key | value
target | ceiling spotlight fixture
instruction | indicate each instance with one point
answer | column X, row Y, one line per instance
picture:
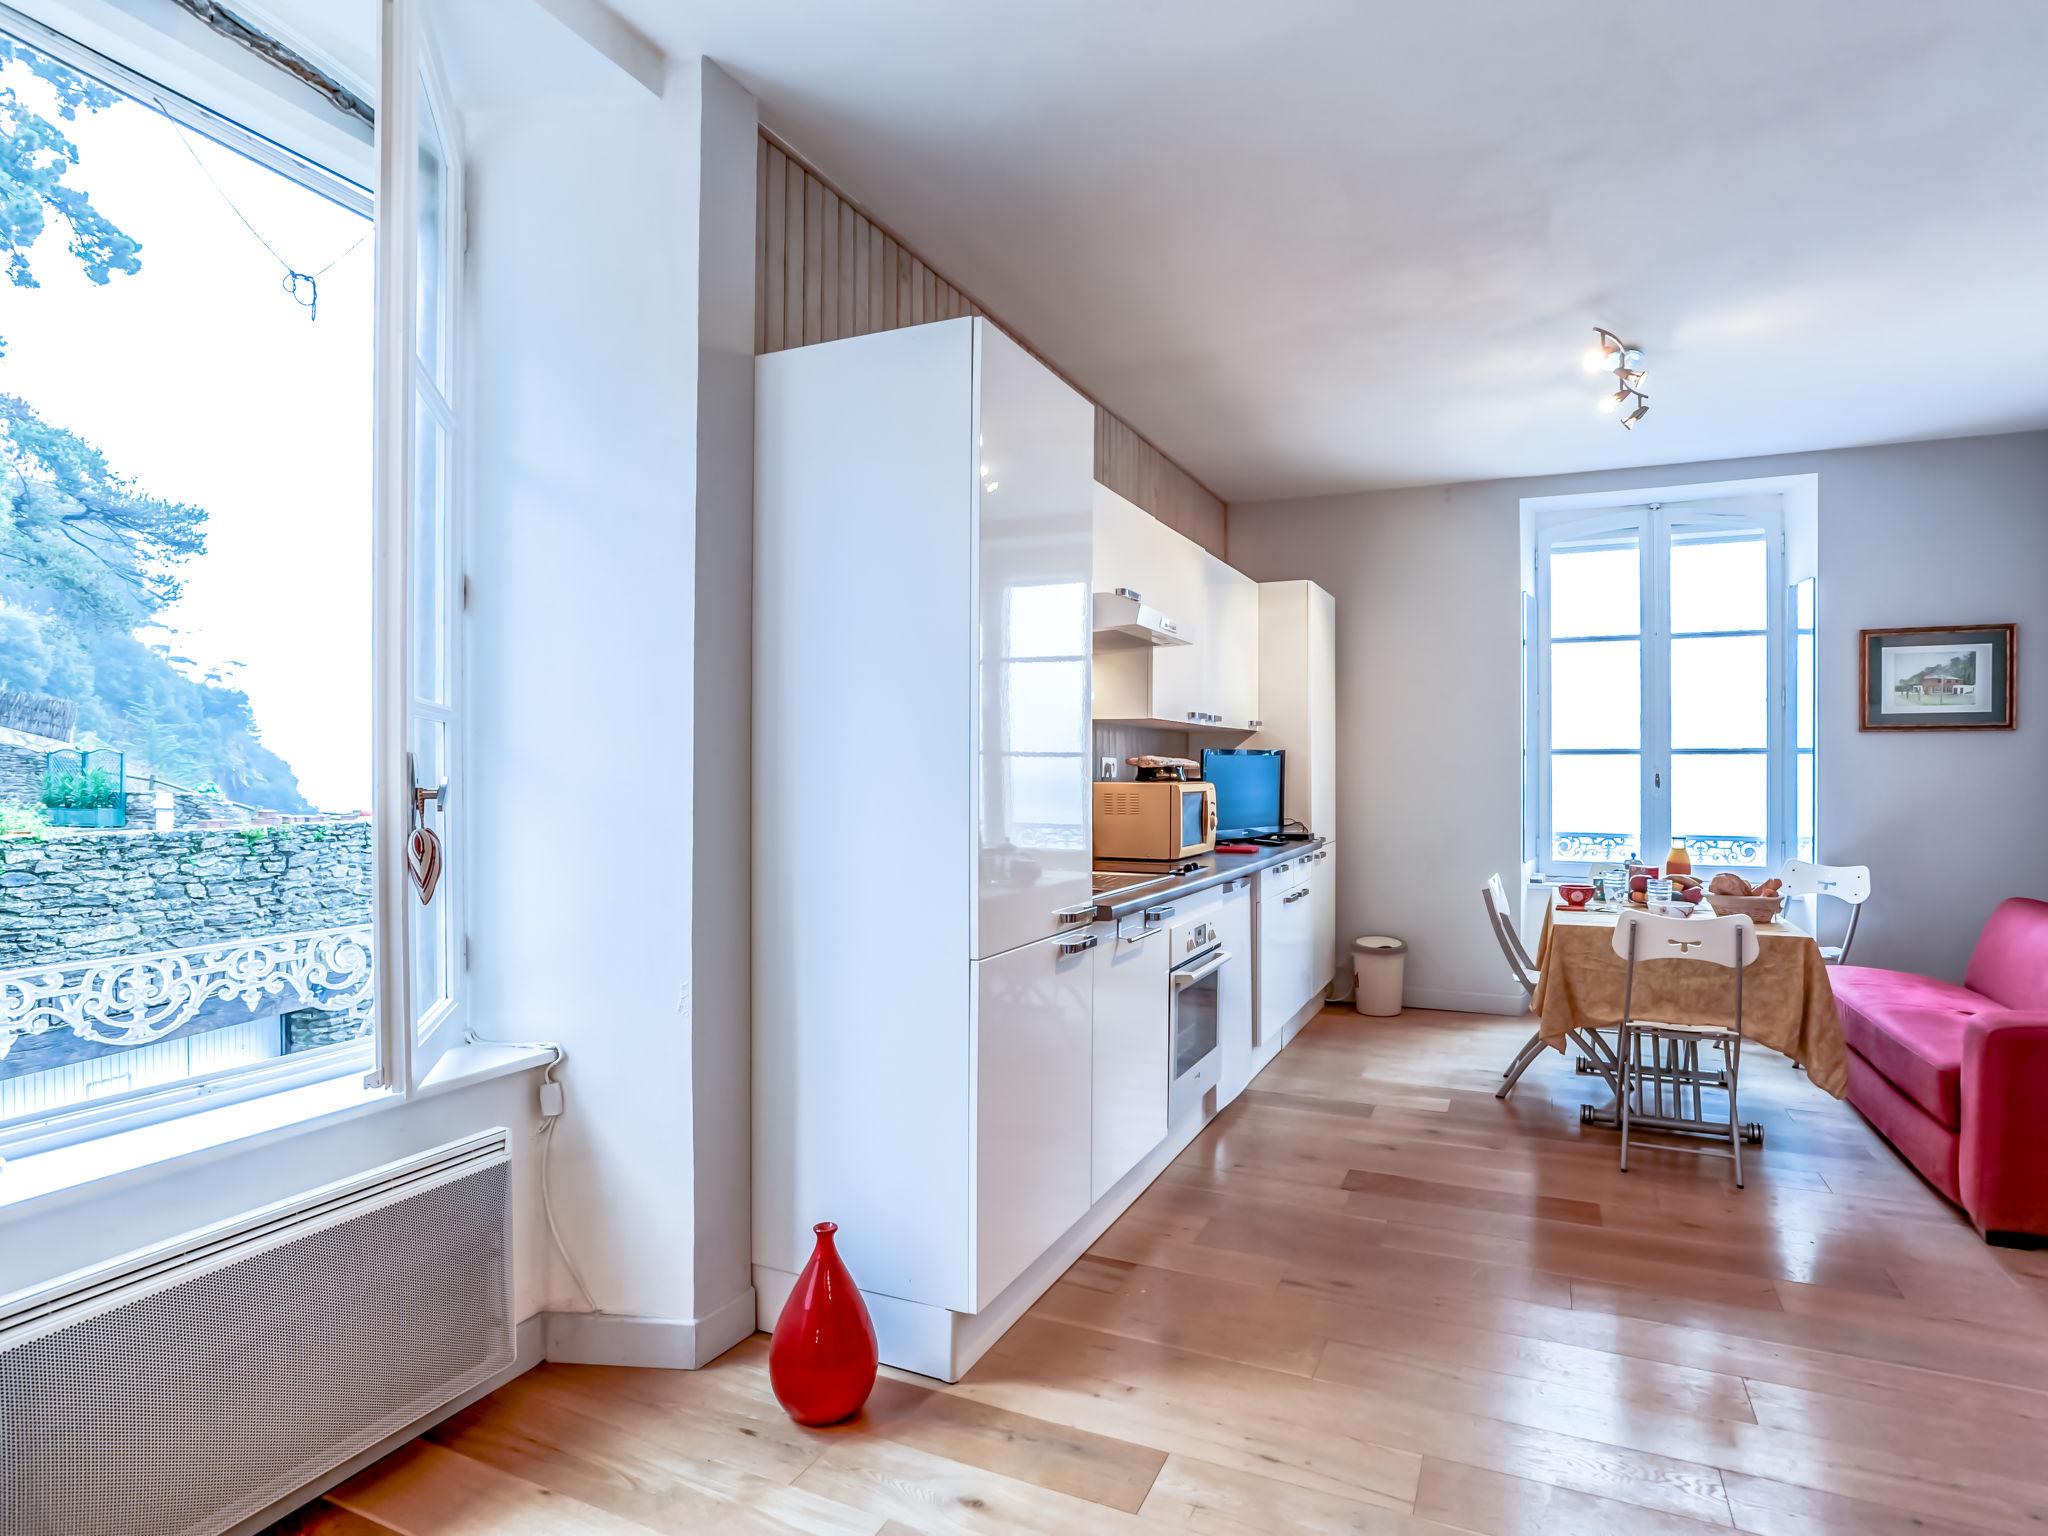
column 1625, row 361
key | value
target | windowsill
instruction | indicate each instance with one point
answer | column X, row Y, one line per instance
column 148, row 1151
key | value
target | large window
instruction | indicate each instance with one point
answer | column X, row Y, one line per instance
column 1659, row 690
column 229, row 595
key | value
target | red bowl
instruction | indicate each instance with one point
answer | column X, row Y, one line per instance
column 1576, row 895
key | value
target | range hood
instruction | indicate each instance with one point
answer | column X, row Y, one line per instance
column 1122, row 619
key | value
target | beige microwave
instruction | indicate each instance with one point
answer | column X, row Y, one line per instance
column 1160, row 820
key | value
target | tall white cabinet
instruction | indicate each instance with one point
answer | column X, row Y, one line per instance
column 922, row 1049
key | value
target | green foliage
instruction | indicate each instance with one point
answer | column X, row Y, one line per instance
column 37, row 157
column 86, row 554
column 93, row 790
column 23, row 821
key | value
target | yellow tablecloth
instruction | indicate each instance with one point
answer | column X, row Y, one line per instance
column 1787, row 1002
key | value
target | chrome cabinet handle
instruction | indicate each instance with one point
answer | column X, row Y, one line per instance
column 1081, row 914
column 1255, row 724
column 1077, row 946
column 1194, row 714
column 1136, row 597
column 1157, row 915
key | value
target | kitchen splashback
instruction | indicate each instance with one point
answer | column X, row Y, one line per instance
column 1121, row 741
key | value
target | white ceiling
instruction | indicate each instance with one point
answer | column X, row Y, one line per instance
column 1315, row 245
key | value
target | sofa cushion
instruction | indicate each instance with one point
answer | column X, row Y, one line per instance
column 1933, row 1149
column 2010, row 963
column 1910, row 1028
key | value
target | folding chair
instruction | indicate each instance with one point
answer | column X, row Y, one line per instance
column 1673, row 1066
column 1848, row 883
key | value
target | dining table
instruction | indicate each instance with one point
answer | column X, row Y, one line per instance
column 1788, row 1003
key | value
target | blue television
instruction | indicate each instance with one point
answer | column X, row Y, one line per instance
column 1248, row 784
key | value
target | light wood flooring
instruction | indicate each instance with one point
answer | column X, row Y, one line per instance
column 1372, row 1299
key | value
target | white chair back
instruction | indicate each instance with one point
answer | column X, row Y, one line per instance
column 1729, row 941
column 1495, row 895
column 1848, row 883
column 1844, row 882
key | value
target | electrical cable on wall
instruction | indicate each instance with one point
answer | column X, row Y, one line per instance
column 553, row 1101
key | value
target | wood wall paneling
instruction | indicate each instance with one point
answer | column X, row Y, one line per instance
column 826, row 270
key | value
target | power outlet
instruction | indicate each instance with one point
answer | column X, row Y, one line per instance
column 1108, row 768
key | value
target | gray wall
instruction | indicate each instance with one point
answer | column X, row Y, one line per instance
column 1429, row 788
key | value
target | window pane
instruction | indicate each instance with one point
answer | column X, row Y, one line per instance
column 429, row 556
column 1805, row 809
column 1719, row 696
column 1596, row 694
column 1803, row 676
column 1719, row 802
column 185, row 603
column 1596, row 590
column 427, row 318
column 1595, row 805
column 1717, row 581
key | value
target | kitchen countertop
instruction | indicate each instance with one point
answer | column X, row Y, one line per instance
column 1210, row 869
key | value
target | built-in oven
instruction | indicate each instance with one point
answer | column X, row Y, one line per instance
column 1197, row 958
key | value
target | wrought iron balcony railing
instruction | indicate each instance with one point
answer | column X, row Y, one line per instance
column 1608, row 848
column 130, row 1000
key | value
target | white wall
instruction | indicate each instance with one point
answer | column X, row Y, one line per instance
column 1918, row 533
column 602, row 338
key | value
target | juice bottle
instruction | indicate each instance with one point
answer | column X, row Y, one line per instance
column 1679, row 861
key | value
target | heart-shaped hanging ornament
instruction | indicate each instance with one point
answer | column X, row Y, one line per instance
column 423, row 862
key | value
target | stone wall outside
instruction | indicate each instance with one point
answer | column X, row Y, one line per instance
column 87, row 895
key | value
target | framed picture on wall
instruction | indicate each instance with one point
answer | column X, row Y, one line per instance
column 1939, row 679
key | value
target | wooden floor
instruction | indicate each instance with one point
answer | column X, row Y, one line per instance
column 1371, row 1298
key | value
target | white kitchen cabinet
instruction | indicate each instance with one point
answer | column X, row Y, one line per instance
column 1235, row 1002
column 1322, row 905
column 1131, row 1053
column 1286, row 937
column 1212, row 682
column 1034, row 475
column 1298, row 696
column 922, row 1053
column 1233, row 615
column 1033, row 1010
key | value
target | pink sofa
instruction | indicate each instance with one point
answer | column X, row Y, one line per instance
column 1956, row 1077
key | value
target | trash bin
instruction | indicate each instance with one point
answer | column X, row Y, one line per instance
column 1376, row 963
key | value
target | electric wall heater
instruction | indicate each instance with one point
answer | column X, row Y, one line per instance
column 187, row 1387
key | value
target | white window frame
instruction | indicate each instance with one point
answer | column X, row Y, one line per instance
column 1650, row 518
column 398, row 1056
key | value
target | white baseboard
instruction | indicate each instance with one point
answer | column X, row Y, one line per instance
column 671, row 1343
column 528, row 1350
column 1449, row 1000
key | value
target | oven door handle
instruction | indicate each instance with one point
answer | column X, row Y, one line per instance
column 1200, row 973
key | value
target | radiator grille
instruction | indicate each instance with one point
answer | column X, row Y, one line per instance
column 183, row 1410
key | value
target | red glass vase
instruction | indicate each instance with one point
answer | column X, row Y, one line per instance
column 822, row 1359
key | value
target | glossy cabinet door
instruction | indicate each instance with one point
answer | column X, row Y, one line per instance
column 1033, row 1105
column 1234, row 624
column 1131, row 1052
column 1180, row 673
column 1285, row 934
column 1235, row 1003
column 1033, row 491
column 1322, row 904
